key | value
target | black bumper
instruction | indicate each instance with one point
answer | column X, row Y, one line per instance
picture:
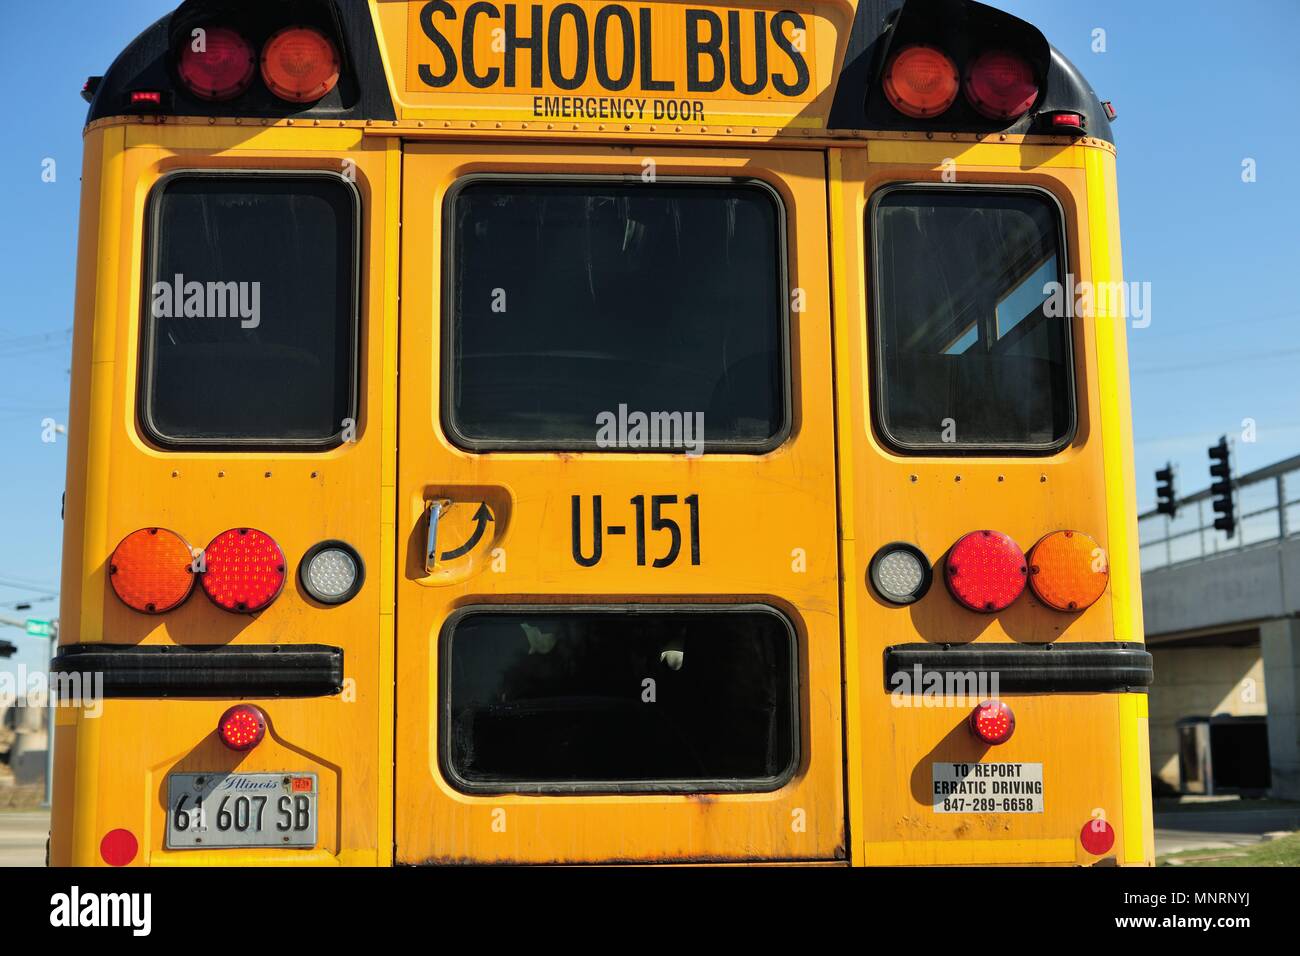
column 1100, row 667
column 207, row 670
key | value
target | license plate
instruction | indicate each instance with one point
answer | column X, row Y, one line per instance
column 240, row 809
column 988, row 788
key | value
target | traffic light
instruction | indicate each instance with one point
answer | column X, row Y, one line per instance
column 1221, row 487
column 1166, row 494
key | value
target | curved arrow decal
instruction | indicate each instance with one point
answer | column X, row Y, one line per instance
column 482, row 516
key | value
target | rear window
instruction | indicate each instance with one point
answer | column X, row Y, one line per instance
column 251, row 315
column 619, row 700
column 617, row 315
column 967, row 355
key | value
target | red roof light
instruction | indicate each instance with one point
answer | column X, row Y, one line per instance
column 216, row 64
column 1000, row 85
column 921, row 81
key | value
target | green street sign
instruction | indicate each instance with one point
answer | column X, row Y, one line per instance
column 36, row 628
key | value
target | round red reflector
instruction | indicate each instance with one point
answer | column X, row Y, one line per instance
column 150, row 570
column 243, row 570
column 216, row 64
column 1097, row 837
column 300, row 65
column 119, row 847
column 921, row 81
column 1000, row 85
column 986, row 571
column 242, row 727
column 993, row 722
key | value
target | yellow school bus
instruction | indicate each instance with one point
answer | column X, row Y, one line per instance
column 602, row 432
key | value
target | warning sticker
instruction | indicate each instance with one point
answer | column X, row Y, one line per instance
column 988, row 788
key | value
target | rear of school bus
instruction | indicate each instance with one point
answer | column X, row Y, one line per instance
column 586, row 433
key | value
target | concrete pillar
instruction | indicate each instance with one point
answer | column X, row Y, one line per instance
column 1279, row 643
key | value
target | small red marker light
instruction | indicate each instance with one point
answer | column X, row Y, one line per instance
column 146, row 98
column 242, row 727
column 1067, row 122
column 993, row 722
column 1097, row 837
column 119, row 847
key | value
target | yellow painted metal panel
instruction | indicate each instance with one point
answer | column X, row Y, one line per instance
column 1081, row 739
column 964, row 155
column 123, row 483
column 754, row 512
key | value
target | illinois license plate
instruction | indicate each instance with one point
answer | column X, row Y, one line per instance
column 241, row 809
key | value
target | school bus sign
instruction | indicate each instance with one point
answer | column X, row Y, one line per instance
column 662, row 61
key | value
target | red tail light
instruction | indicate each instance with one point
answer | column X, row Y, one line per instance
column 221, row 68
column 986, row 571
column 921, row 81
column 300, row 65
column 993, row 722
column 1000, row 85
column 243, row 570
column 242, row 727
column 150, row 570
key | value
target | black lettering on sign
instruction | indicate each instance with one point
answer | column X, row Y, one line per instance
column 532, row 43
column 648, row 82
column 478, row 80
column 660, row 522
column 554, row 35
column 718, row 51
column 786, row 45
column 712, row 47
column 737, row 56
column 448, row 54
column 628, row 37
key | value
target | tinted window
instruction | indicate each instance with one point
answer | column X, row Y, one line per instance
column 967, row 354
column 574, row 304
column 553, row 700
column 250, row 310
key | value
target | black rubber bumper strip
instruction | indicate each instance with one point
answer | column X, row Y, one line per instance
column 204, row 670
column 1100, row 667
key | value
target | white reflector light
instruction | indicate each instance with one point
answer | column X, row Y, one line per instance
column 900, row 573
column 331, row 572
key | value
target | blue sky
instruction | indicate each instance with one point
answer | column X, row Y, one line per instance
column 1199, row 86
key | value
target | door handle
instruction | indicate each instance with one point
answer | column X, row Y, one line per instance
column 434, row 510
